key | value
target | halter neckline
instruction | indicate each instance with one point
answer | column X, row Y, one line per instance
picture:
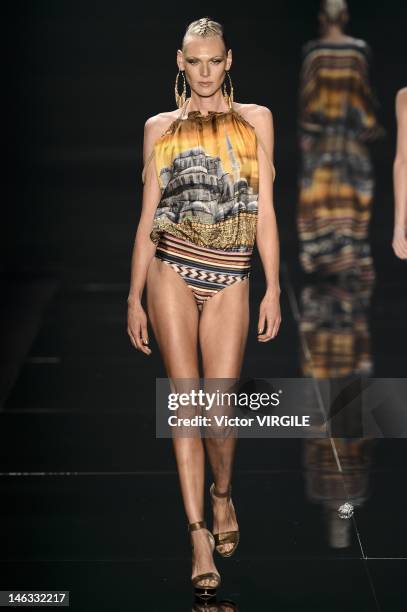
column 196, row 114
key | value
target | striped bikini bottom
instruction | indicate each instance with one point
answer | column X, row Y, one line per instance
column 206, row 271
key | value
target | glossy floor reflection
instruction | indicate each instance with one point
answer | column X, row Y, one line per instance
column 83, row 493
column 159, row 585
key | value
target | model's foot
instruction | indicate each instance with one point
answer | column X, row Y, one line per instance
column 224, row 519
column 202, row 558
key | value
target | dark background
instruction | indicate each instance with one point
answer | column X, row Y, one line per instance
column 84, row 77
column 90, row 498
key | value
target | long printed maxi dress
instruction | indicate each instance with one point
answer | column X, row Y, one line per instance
column 337, row 119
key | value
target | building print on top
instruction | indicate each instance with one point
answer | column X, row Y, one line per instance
column 196, row 186
column 208, row 175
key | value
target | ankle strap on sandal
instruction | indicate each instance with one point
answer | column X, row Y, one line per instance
column 196, row 526
column 216, row 493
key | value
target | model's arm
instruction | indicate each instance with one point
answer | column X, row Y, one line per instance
column 267, row 240
column 400, row 178
column 144, row 248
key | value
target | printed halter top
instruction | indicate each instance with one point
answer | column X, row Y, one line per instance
column 209, row 179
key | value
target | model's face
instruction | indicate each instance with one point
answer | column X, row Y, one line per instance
column 204, row 61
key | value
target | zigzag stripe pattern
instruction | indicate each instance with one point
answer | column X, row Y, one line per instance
column 205, row 271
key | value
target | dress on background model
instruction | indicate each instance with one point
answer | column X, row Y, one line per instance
column 336, row 119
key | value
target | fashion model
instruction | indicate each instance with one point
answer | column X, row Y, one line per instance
column 207, row 199
column 337, row 119
column 400, row 178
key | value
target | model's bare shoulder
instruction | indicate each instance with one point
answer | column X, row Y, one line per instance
column 259, row 116
column 401, row 100
column 359, row 42
column 255, row 112
column 158, row 124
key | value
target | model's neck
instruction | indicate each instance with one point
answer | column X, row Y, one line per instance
column 333, row 32
column 215, row 103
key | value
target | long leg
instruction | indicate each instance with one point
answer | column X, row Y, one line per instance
column 174, row 318
column 223, row 334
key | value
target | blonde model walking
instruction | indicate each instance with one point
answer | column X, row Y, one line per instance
column 208, row 198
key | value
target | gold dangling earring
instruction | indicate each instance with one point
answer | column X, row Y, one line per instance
column 180, row 98
column 228, row 96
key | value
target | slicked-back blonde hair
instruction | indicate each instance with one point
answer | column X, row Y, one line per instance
column 334, row 9
column 205, row 27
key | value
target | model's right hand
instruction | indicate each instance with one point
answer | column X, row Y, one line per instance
column 399, row 243
column 137, row 327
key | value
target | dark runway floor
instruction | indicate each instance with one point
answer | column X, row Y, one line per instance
column 90, row 498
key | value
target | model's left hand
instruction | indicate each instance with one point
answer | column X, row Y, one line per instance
column 269, row 316
column 399, row 243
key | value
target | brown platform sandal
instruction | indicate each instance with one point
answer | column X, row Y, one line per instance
column 225, row 537
column 204, row 592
